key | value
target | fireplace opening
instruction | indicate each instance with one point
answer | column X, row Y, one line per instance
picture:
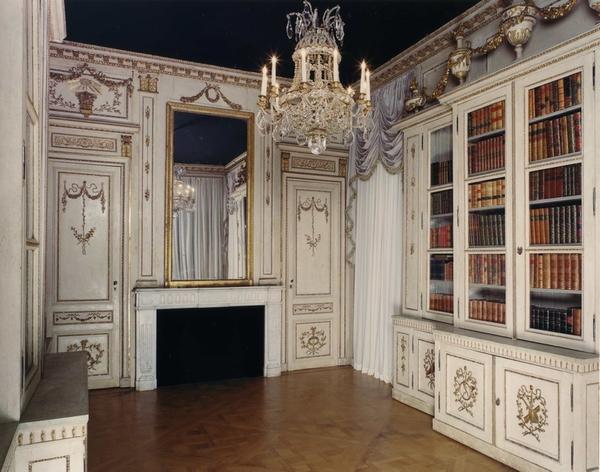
column 202, row 344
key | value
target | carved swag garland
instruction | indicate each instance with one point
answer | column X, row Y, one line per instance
column 311, row 205
column 84, row 191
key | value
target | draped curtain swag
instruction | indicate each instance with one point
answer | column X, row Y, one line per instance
column 383, row 145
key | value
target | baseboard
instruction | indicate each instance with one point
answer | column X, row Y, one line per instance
column 413, row 402
column 143, row 385
column 344, row 361
column 272, row 371
column 485, row 448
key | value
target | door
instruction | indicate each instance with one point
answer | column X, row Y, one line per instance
column 424, row 366
column 314, row 270
column 534, row 413
column 85, row 264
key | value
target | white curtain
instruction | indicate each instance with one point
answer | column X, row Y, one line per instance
column 236, row 237
column 377, row 287
column 198, row 235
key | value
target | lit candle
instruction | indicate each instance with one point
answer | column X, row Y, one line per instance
column 368, row 84
column 273, row 71
column 336, row 68
column 303, row 64
column 363, row 67
column 263, row 85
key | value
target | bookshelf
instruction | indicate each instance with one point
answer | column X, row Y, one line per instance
column 484, row 239
column 555, row 245
column 440, row 257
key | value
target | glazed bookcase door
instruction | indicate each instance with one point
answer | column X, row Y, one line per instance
column 464, row 390
column 554, row 214
column 439, row 221
column 533, row 413
column 412, row 300
column 483, row 225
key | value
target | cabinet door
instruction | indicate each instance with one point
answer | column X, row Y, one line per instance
column 402, row 357
column 554, row 214
column 464, row 391
column 483, row 151
column 413, row 297
column 533, row 413
column 424, row 366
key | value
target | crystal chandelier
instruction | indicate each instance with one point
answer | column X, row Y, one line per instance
column 184, row 196
column 315, row 108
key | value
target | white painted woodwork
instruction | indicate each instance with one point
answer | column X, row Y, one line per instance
column 314, row 267
column 413, row 240
column 85, row 263
column 148, row 300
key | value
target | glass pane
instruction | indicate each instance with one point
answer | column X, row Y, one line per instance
column 441, row 156
column 487, row 294
column 441, row 219
column 486, row 213
column 441, row 288
column 486, row 145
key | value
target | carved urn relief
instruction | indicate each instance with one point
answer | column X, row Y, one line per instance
column 518, row 34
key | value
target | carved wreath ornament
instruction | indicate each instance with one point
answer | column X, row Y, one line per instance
column 531, row 411
column 84, row 191
column 465, row 390
column 311, row 204
column 94, row 352
column 312, row 340
column 429, row 367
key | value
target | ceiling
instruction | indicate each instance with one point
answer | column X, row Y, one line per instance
column 244, row 34
column 205, row 139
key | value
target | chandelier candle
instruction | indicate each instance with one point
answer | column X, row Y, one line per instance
column 315, row 108
column 263, row 85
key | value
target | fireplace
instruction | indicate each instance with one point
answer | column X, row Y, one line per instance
column 149, row 301
column 201, row 344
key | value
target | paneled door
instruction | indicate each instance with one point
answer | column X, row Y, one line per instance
column 314, row 271
column 85, row 264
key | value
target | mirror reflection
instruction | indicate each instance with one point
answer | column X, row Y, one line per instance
column 209, row 200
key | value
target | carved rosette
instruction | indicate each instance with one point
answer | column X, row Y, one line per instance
column 465, row 390
column 532, row 412
column 313, row 340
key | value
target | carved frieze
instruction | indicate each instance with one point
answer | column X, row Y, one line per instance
column 78, row 317
column 312, row 308
column 89, row 143
column 311, row 163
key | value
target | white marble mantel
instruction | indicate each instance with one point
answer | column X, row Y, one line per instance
column 148, row 300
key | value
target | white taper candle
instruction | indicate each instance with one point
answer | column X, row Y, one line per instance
column 303, row 64
column 263, row 85
column 336, row 68
column 273, row 70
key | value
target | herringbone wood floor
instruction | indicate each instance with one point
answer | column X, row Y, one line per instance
column 323, row 420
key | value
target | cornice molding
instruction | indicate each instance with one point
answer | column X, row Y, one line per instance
column 150, row 64
column 420, row 324
column 473, row 19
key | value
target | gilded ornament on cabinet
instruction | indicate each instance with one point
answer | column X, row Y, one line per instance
column 148, row 83
column 403, row 344
column 126, row 145
column 313, row 205
column 532, row 411
column 312, row 341
column 213, row 94
column 417, row 100
column 343, row 165
column 429, row 367
column 84, row 191
column 94, row 351
column 465, row 389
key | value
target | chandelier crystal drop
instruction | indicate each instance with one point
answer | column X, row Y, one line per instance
column 184, row 195
column 315, row 109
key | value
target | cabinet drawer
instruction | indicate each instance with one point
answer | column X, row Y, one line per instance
column 533, row 413
column 464, row 391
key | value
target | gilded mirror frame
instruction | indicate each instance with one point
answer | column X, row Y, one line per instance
column 173, row 107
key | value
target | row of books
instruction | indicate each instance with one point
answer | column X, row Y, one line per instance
column 487, row 269
column 555, row 96
column 441, row 268
column 486, row 194
column 486, row 155
column 557, row 320
column 441, row 202
column 486, row 229
column 486, row 119
column 556, row 137
column 555, row 225
column 441, row 302
column 555, row 271
column 557, row 182
column 487, row 310
column 441, row 236
column 441, row 173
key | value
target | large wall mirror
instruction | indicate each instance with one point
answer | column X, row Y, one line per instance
column 208, row 196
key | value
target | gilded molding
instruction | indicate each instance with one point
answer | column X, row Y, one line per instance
column 89, row 143
column 148, row 83
column 311, row 163
column 126, row 145
column 285, row 161
column 218, row 95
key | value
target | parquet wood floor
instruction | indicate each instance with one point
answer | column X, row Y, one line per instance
column 322, row 420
